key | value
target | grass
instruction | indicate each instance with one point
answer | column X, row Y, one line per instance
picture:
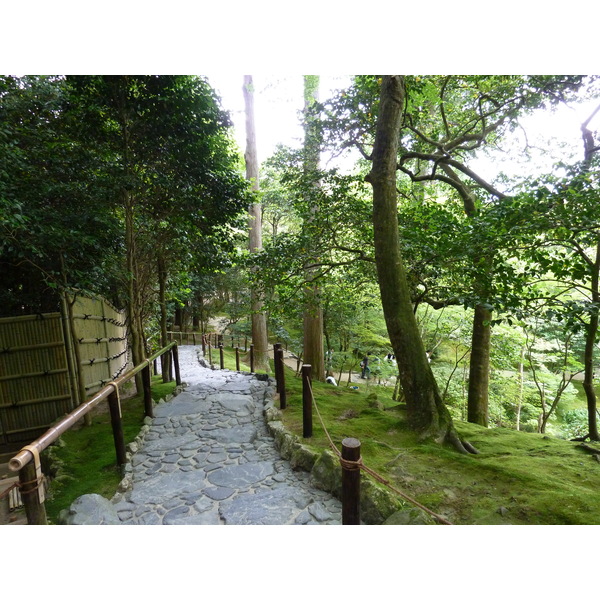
column 87, row 454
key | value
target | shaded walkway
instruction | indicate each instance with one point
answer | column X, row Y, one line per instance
column 207, row 459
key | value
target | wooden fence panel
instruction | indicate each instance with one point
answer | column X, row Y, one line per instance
column 35, row 387
column 34, row 380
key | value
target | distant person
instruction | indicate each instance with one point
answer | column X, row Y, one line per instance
column 330, row 379
column 364, row 365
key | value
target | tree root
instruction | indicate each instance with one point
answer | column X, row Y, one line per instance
column 594, row 451
column 462, row 446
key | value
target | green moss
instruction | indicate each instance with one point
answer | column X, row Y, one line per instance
column 518, row 477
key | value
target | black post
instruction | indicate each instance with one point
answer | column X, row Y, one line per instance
column 194, row 338
column 276, row 348
column 175, row 361
column 203, row 344
column 222, row 363
column 251, row 358
column 306, row 402
column 281, row 379
column 237, row 359
column 246, row 344
column 114, row 405
column 147, row 383
column 350, row 482
column 209, row 354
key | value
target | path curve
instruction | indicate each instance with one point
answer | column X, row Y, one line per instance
column 207, row 459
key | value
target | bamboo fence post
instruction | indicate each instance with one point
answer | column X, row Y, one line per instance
column 251, row 358
column 281, row 379
column 237, row 358
column 114, row 405
column 350, row 482
column 221, row 361
column 175, row 360
column 306, row 402
column 34, row 509
column 147, row 384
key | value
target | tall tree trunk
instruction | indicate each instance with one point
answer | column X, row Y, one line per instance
column 521, row 387
column 165, row 359
column 259, row 320
column 425, row 410
column 479, row 363
column 313, row 311
column 479, row 369
column 588, row 361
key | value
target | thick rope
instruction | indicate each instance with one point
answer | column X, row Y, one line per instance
column 353, row 465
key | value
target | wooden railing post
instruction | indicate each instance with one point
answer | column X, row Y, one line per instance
column 194, row 338
column 175, row 354
column 306, row 402
column 114, row 405
column 276, row 348
column 246, row 344
column 147, row 383
column 281, row 379
column 34, row 509
column 221, row 361
column 350, row 482
column 203, row 344
column 209, row 354
column 251, row 358
column 237, row 359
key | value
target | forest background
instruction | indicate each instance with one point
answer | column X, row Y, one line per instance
column 559, row 57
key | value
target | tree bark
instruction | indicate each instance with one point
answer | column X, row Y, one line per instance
column 479, row 368
column 313, row 311
column 588, row 361
column 426, row 412
column 165, row 359
column 259, row 321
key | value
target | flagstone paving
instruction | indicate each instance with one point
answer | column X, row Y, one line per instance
column 208, row 459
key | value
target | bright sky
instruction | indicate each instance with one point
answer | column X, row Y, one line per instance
column 279, row 100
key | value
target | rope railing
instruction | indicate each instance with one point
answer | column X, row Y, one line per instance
column 358, row 464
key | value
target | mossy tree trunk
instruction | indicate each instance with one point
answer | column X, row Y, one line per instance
column 426, row 411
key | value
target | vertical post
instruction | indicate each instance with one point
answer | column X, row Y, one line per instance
column 221, row 361
column 34, row 509
column 175, row 361
column 232, row 341
column 306, row 402
column 155, row 366
column 237, row 358
column 147, row 384
column 194, row 338
column 114, row 404
column 251, row 358
column 350, row 482
column 209, row 354
column 276, row 348
column 281, row 379
column 246, row 344
column 203, row 344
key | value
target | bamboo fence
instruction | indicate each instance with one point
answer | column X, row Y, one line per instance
column 38, row 377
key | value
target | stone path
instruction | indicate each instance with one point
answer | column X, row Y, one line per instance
column 207, row 459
